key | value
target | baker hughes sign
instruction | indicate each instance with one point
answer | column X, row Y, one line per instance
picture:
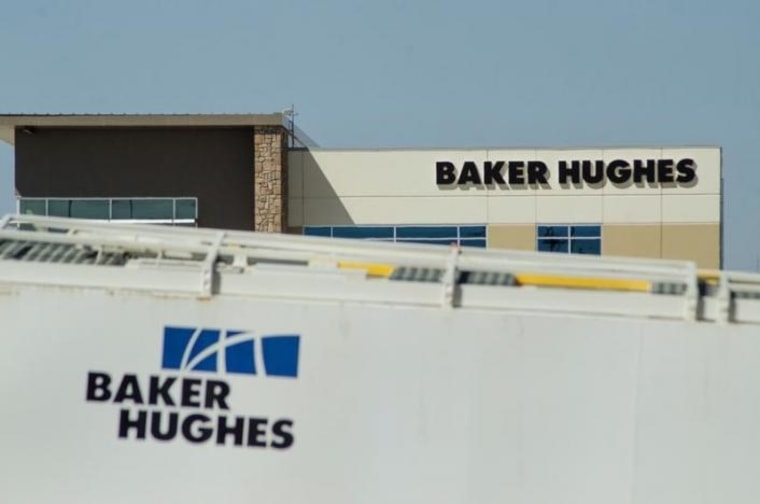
column 190, row 401
column 566, row 172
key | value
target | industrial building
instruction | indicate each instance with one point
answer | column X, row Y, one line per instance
column 251, row 172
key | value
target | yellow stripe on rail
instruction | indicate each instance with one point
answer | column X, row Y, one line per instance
column 583, row 282
column 536, row 279
column 372, row 269
column 709, row 276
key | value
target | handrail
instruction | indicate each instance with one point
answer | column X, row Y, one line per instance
column 208, row 250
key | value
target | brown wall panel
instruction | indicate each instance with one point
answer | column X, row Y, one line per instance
column 213, row 164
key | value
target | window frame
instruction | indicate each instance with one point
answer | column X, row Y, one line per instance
column 459, row 239
column 568, row 237
column 173, row 220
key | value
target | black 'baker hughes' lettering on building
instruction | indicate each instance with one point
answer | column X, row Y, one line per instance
column 593, row 173
column 515, row 173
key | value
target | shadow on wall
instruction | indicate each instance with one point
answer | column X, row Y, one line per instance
column 312, row 199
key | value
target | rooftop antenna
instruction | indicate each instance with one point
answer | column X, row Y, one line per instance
column 291, row 114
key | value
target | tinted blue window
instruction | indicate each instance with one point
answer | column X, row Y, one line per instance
column 428, row 241
column 550, row 245
column 472, row 232
column 121, row 209
column 34, row 207
column 586, row 231
column 78, row 208
column 471, row 236
column 185, row 208
column 317, row 231
column 362, row 232
column 575, row 239
column 426, row 232
column 59, row 208
column 115, row 209
column 154, row 209
column 552, row 231
column 90, row 209
column 474, row 242
column 586, row 246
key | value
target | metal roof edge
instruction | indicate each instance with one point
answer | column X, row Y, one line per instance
column 116, row 120
column 9, row 122
column 516, row 148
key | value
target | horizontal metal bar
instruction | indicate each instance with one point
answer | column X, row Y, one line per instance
column 583, row 282
column 241, row 258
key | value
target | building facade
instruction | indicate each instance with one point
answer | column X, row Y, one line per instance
column 212, row 171
column 239, row 172
column 654, row 202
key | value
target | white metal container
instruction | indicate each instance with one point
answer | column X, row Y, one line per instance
column 165, row 365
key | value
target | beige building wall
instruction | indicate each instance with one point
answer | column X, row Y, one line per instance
column 643, row 240
column 693, row 242
column 398, row 187
column 513, row 237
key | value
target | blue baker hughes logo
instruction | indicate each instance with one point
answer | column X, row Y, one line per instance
column 230, row 351
column 188, row 406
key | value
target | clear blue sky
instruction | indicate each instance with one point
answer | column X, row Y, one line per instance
column 413, row 73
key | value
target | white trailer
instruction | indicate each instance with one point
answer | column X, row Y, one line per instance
column 166, row 365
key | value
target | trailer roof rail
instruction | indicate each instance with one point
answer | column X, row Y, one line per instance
column 209, row 262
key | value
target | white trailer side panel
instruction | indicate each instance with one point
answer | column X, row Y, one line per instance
column 390, row 404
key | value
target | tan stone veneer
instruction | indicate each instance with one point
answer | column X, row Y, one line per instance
column 270, row 179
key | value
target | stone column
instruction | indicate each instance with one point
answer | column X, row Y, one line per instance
column 270, row 179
